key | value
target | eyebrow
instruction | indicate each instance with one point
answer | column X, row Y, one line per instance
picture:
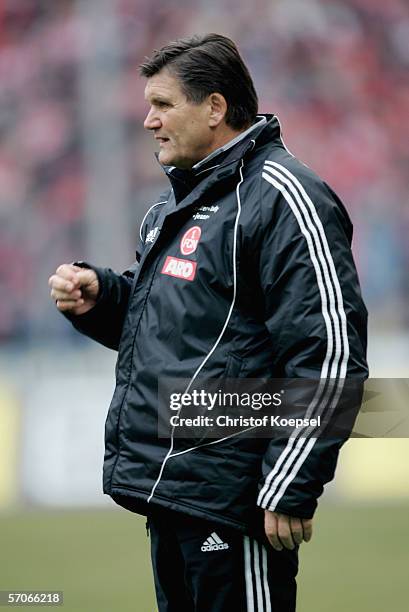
column 158, row 98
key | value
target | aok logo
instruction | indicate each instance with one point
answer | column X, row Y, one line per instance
column 181, row 268
column 190, row 240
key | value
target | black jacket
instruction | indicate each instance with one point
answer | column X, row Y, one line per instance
column 269, row 290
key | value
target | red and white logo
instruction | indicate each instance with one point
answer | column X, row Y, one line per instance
column 190, row 240
column 181, row 268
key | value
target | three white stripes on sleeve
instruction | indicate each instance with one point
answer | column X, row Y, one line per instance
column 334, row 367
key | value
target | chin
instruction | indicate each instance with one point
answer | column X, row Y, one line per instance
column 171, row 160
column 166, row 159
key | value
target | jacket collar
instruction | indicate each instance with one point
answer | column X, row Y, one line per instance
column 204, row 163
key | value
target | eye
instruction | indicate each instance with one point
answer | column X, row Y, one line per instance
column 162, row 104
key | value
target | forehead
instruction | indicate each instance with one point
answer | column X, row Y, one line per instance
column 163, row 85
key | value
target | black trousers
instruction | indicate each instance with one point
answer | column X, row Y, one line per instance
column 201, row 566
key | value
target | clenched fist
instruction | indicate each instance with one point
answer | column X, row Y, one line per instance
column 74, row 289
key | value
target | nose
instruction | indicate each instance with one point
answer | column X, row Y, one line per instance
column 152, row 120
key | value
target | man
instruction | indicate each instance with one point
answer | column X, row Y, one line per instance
column 244, row 270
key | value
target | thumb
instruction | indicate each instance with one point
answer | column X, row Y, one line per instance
column 85, row 277
column 307, row 529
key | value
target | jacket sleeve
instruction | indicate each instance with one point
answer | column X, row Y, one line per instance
column 317, row 320
column 104, row 322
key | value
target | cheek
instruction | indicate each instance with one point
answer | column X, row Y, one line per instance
column 196, row 134
column 184, row 137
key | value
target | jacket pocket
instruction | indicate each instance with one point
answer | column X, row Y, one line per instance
column 234, row 366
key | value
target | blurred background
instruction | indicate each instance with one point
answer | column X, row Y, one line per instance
column 77, row 174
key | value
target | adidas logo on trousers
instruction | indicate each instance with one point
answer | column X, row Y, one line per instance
column 213, row 542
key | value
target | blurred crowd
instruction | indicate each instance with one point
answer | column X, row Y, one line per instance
column 335, row 71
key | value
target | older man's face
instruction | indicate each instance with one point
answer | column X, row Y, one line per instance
column 180, row 127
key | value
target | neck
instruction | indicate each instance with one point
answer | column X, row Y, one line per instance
column 230, row 138
column 225, row 135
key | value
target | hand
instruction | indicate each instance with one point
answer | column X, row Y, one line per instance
column 284, row 531
column 74, row 289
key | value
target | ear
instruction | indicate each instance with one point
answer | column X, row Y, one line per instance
column 218, row 109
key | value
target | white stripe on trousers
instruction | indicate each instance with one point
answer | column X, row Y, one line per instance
column 255, row 564
column 313, row 231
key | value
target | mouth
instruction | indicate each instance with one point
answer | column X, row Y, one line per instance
column 161, row 140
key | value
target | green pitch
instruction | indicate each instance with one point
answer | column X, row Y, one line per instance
column 358, row 560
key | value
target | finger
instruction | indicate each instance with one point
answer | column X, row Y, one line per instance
column 296, row 529
column 284, row 531
column 69, row 277
column 66, row 295
column 86, row 277
column 307, row 529
column 67, row 271
column 64, row 279
column 61, row 283
column 270, row 527
column 66, row 305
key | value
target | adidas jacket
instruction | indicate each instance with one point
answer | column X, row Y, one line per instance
column 244, row 270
